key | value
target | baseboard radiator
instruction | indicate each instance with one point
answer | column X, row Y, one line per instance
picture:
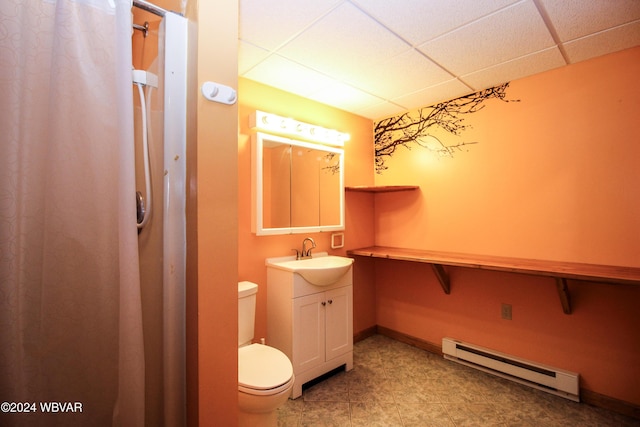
column 552, row 380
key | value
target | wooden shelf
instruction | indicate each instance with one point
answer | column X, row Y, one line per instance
column 382, row 188
column 561, row 271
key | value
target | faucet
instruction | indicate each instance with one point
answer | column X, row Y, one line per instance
column 306, row 253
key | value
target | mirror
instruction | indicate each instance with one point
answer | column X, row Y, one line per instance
column 297, row 187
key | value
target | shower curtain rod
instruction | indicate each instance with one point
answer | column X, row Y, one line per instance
column 149, row 7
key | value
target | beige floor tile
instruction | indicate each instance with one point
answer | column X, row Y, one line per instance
column 474, row 414
column 394, row 384
column 326, row 414
column 424, row 415
column 371, row 414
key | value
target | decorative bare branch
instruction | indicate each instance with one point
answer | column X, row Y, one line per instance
column 405, row 129
column 333, row 166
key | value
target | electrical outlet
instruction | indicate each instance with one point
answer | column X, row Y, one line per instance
column 506, row 311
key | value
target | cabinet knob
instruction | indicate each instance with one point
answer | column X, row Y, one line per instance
column 330, row 301
column 323, row 303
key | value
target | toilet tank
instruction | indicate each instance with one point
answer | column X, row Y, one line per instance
column 246, row 311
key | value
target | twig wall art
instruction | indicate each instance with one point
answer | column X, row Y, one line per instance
column 413, row 128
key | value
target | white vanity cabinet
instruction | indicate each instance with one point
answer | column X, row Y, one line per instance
column 312, row 325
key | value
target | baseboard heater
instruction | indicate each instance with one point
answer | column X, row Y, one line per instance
column 545, row 378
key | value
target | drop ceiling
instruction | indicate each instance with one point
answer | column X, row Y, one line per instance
column 377, row 58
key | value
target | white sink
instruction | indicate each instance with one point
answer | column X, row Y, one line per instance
column 319, row 270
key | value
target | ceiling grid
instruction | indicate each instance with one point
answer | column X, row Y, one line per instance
column 377, row 58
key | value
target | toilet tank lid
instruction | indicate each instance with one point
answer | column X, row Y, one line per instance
column 246, row 288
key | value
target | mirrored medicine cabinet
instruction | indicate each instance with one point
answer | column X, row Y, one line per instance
column 297, row 186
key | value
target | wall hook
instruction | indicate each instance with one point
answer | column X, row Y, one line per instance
column 217, row 92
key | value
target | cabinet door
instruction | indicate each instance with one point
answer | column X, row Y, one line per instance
column 339, row 321
column 308, row 332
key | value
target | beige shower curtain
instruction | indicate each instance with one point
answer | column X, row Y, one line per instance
column 70, row 321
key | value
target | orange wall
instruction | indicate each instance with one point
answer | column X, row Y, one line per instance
column 599, row 340
column 254, row 249
column 212, row 212
column 553, row 177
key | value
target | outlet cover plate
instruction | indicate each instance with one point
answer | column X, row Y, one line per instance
column 506, row 311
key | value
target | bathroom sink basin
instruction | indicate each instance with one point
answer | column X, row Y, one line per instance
column 319, row 270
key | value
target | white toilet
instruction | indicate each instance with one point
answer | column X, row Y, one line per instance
column 265, row 374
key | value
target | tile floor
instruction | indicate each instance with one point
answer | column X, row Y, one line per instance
column 394, row 384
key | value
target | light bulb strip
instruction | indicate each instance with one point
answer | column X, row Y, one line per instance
column 273, row 123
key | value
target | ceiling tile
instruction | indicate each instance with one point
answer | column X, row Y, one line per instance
column 344, row 97
column 451, row 89
column 269, row 23
column 615, row 39
column 249, row 56
column 513, row 32
column 576, row 18
column 405, row 73
column 537, row 62
column 379, row 111
column 418, row 21
column 344, row 43
column 288, row 76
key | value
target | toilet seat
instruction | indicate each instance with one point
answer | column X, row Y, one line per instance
column 263, row 370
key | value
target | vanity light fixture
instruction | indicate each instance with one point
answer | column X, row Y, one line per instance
column 275, row 124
